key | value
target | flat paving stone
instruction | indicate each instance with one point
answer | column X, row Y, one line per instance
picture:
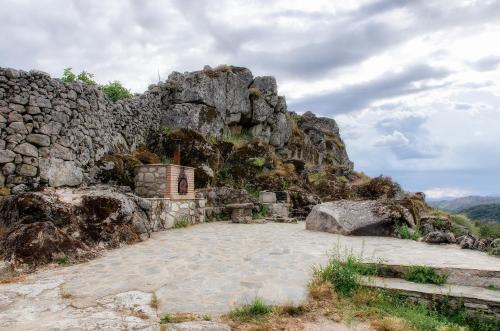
column 211, row 267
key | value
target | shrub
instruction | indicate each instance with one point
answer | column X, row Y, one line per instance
column 255, row 310
column 86, row 77
column 68, row 76
column 424, row 275
column 489, row 230
column 405, row 232
column 115, row 91
column 461, row 222
column 342, row 276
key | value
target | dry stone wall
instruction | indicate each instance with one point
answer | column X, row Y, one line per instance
column 52, row 132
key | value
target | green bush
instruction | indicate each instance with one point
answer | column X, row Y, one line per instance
column 343, row 276
column 424, row 275
column 262, row 212
column 405, row 232
column 489, row 230
column 255, row 310
column 86, row 77
column 115, row 91
column 182, row 222
column 259, row 162
column 68, row 76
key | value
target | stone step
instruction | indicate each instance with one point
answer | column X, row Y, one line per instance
column 456, row 276
column 476, row 299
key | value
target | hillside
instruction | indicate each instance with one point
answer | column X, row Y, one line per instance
column 488, row 212
column 459, row 204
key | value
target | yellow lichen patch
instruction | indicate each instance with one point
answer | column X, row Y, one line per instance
column 4, row 191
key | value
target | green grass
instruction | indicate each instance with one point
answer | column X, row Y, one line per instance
column 182, row 222
column 62, row 260
column 237, row 139
column 253, row 311
column 488, row 230
column 493, row 287
column 382, row 303
column 259, row 162
column 377, row 304
column 262, row 213
column 424, row 275
column 167, row 318
column 343, row 276
column 405, row 232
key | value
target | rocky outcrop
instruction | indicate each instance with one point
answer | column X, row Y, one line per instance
column 40, row 227
column 54, row 133
column 369, row 217
column 211, row 101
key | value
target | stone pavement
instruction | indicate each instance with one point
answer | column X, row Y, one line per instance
column 206, row 268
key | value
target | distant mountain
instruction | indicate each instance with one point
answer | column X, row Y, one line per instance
column 459, row 204
column 489, row 212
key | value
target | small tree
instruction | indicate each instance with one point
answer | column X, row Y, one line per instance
column 68, row 75
column 115, row 91
column 86, row 78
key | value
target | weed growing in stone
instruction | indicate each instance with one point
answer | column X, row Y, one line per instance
column 154, row 303
column 405, row 232
column 255, row 310
column 62, row 260
column 182, row 222
column 262, row 212
column 424, row 275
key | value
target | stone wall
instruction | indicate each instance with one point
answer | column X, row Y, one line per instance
column 165, row 213
column 53, row 132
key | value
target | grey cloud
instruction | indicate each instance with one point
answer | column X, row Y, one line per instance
column 487, row 63
column 356, row 97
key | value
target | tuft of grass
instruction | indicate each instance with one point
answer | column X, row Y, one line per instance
column 167, row 318
column 342, row 276
column 405, row 232
column 262, row 212
column 259, row 162
column 292, row 310
column 391, row 323
column 255, row 92
column 320, row 289
column 207, row 317
column 182, row 222
column 166, row 131
column 253, row 311
column 62, row 260
column 178, row 318
column 237, row 139
column 154, row 303
column 493, row 287
column 424, row 275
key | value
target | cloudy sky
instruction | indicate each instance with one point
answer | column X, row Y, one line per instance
column 414, row 85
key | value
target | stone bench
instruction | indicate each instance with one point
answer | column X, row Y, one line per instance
column 240, row 212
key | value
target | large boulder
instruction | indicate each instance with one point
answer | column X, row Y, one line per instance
column 347, row 217
column 39, row 227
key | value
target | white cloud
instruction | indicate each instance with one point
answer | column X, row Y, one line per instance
column 446, row 192
column 395, row 138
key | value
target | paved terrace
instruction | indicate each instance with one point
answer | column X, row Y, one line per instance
column 206, row 268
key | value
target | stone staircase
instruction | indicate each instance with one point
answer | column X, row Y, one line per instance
column 475, row 290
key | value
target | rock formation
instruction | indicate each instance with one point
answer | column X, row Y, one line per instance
column 54, row 133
